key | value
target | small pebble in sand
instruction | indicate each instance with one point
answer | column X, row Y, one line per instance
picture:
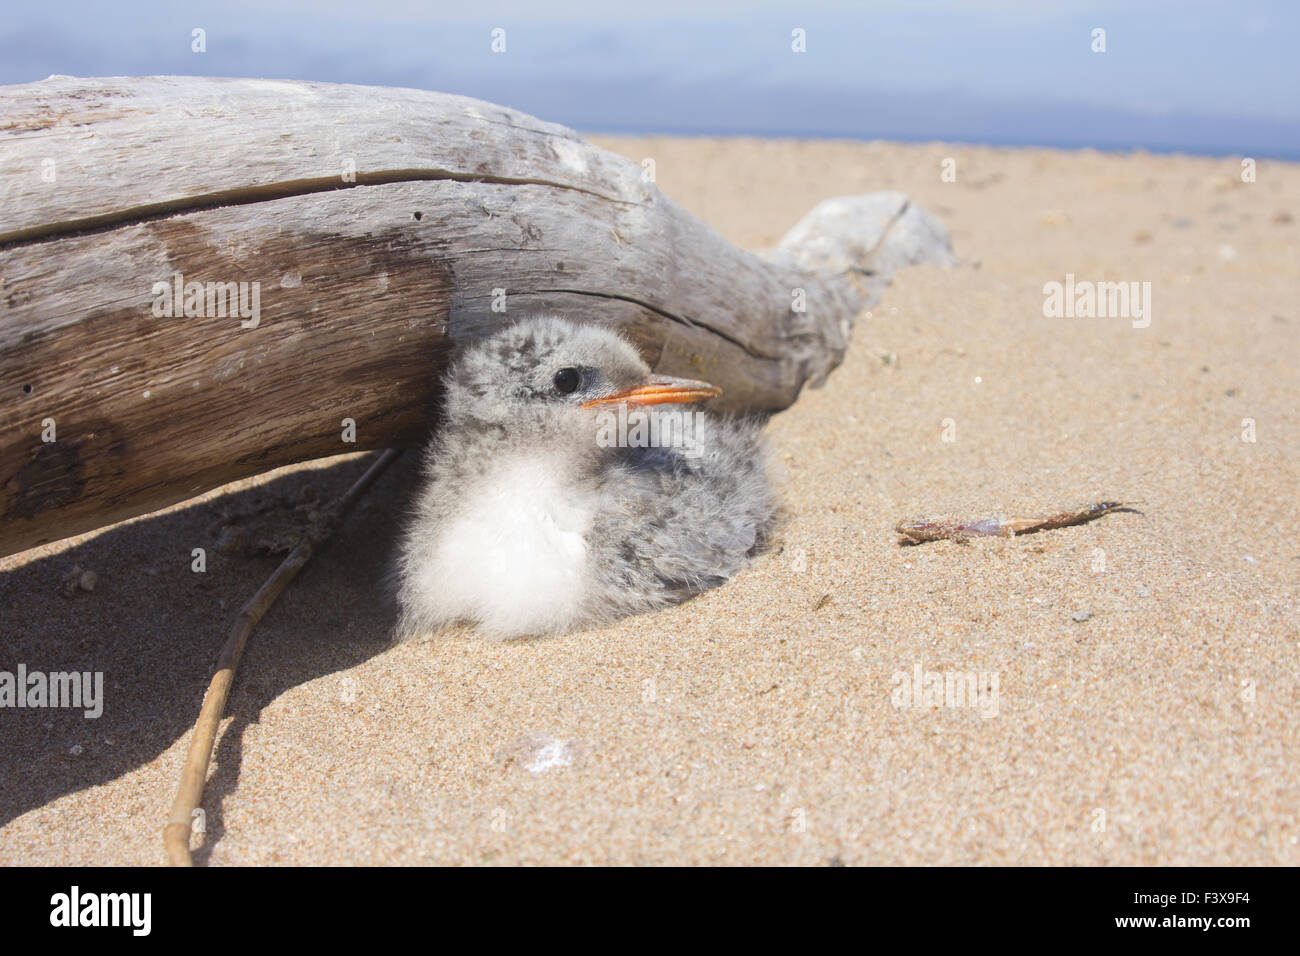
column 1080, row 616
column 79, row 579
column 75, row 750
column 538, row 753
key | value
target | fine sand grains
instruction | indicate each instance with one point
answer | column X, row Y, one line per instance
column 1119, row 692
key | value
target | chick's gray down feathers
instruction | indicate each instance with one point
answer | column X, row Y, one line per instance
column 527, row 524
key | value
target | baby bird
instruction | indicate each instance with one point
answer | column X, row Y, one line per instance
column 568, row 487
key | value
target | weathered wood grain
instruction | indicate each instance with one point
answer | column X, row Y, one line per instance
column 381, row 228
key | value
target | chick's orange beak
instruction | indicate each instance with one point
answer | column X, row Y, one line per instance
column 660, row 390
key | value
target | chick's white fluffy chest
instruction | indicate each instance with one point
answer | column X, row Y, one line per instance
column 514, row 555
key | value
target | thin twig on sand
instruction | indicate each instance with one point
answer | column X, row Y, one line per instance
column 176, row 834
column 944, row 527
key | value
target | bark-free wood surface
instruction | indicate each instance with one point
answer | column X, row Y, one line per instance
column 381, row 227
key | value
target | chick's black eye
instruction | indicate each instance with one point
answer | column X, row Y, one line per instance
column 566, row 380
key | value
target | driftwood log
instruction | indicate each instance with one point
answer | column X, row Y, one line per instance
column 203, row 279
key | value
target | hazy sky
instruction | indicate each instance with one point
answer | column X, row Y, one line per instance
column 1196, row 76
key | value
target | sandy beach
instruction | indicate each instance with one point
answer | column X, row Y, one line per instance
column 1146, row 665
